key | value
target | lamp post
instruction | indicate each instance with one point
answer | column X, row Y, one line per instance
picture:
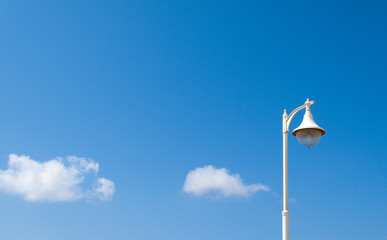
column 308, row 134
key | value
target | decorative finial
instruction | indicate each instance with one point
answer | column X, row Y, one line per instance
column 308, row 103
column 285, row 114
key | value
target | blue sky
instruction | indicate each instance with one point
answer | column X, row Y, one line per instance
column 141, row 93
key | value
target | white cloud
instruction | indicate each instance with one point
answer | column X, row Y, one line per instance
column 104, row 189
column 209, row 179
column 53, row 181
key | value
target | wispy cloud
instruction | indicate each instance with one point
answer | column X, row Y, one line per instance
column 218, row 181
column 55, row 180
column 104, row 189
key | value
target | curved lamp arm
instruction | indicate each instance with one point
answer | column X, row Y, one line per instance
column 287, row 119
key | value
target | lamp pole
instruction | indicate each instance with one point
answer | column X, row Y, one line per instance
column 308, row 134
column 285, row 212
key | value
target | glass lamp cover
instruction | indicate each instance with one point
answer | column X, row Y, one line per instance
column 308, row 137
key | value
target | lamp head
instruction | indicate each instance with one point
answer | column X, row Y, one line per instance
column 308, row 133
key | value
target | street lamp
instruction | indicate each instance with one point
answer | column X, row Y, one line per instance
column 308, row 134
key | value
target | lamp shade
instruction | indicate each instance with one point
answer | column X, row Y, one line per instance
column 308, row 133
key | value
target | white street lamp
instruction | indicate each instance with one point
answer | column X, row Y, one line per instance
column 308, row 134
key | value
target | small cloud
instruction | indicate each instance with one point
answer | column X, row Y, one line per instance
column 104, row 189
column 209, row 179
column 56, row 180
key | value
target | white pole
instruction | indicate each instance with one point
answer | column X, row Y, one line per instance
column 285, row 212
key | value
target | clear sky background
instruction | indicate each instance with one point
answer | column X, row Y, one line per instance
column 151, row 90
